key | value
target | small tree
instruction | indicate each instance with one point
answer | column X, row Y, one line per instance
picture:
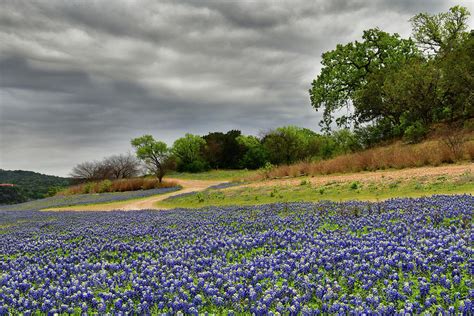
column 288, row 144
column 188, row 150
column 90, row 171
column 155, row 154
column 255, row 155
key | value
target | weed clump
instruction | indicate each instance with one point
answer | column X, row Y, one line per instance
column 354, row 185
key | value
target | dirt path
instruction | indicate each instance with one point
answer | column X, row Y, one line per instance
column 188, row 186
column 147, row 203
column 420, row 173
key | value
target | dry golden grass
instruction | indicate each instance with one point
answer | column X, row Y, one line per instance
column 397, row 156
column 120, row 185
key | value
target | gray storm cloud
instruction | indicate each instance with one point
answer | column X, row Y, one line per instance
column 79, row 79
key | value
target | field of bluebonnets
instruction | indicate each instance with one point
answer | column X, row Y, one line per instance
column 394, row 257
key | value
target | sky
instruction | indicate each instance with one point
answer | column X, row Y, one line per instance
column 80, row 79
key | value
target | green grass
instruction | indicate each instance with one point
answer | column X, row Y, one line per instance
column 331, row 191
column 212, row 175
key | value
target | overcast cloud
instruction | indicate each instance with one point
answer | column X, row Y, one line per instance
column 79, row 79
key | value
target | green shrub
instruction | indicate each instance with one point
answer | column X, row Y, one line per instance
column 415, row 133
column 105, row 186
column 195, row 166
column 88, row 188
column 200, row 197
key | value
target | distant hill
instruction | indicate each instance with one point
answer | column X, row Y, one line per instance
column 28, row 185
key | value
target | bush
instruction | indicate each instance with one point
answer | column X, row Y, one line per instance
column 195, row 166
column 372, row 135
column 88, row 188
column 121, row 185
column 254, row 158
column 454, row 140
column 415, row 133
column 104, row 186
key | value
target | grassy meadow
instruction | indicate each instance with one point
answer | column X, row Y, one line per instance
column 305, row 189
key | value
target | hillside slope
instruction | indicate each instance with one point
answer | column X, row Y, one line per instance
column 32, row 185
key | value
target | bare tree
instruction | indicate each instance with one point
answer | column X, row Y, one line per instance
column 88, row 171
column 113, row 167
column 123, row 166
column 454, row 139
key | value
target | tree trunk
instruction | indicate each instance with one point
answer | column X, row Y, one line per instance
column 159, row 175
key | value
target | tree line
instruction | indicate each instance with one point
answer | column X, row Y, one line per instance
column 393, row 88
column 218, row 150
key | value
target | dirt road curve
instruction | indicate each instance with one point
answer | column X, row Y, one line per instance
column 149, row 202
column 188, row 186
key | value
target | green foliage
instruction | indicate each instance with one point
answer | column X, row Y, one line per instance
column 289, row 144
column 255, row 154
column 392, row 88
column 327, row 147
column 346, row 70
column 457, row 82
column 52, row 191
column 11, row 195
column 223, row 150
column 147, row 148
column 442, row 32
column 105, row 186
column 195, row 166
column 346, row 141
column 89, row 187
column 33, row 185
column 188, row 151
column 371, row 135
column 200, row 197
column 411, row 93
column 267, row 168
column 155, row 154
column 415, row 132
